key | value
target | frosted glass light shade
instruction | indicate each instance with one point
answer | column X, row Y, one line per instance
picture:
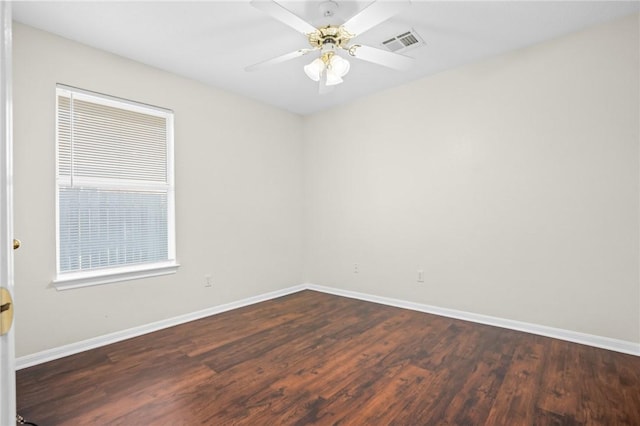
column 340, row 66
column 314, row 69
column 332, row 77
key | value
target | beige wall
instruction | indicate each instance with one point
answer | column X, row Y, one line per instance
column 238, row 168
column 512, row 182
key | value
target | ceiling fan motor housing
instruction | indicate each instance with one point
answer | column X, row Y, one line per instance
column 330, row 34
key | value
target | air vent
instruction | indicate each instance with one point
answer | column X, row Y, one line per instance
column 407, row 40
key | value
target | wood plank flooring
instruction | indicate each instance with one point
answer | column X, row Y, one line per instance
column 313, row 358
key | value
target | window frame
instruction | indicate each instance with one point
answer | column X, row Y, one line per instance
column 98, row 276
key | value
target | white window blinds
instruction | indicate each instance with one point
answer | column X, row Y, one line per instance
column 114, row 185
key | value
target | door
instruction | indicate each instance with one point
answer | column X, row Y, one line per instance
column 7, row 361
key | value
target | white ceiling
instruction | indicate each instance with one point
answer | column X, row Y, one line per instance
column 213, row 41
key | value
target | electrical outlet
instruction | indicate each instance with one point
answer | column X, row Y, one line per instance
column 420, row 276
column 208, row 281
column 356, row 268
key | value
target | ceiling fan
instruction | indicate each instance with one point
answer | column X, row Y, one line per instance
column 329, row 67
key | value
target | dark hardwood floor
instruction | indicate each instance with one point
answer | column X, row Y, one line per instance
column 313, row 358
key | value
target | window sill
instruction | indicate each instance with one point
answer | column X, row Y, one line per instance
column 88, row 279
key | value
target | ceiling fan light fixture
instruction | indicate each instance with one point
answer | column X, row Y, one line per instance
column 314, row 69
column 329, row 68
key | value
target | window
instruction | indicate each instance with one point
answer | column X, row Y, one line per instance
column 114, row 189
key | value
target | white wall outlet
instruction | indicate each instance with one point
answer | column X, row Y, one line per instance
column 420, row 276
column 208, row 281
column 356, row 268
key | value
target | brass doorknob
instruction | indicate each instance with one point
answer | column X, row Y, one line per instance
column 16, row 244
column 6, row 311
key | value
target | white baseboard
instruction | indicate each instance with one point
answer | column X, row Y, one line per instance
column 616, row 345
column 557, row 333
column 107, row 339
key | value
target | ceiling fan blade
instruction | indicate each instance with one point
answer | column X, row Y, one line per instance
column 283, row 15
column 374, row 14
column 381, row 57
column 278, row 59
